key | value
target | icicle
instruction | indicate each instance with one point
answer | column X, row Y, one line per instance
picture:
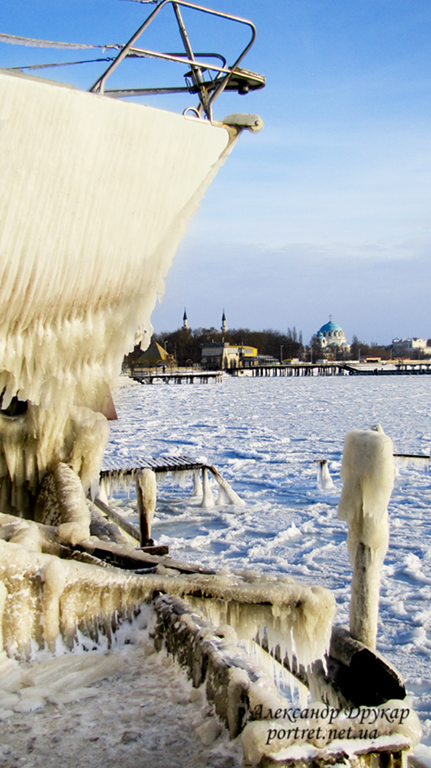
column 79, row 271
column 282, row 678
column 181, row 477
column 3, row 598
column 296, row 619
column 197, row 484
column 207, row 497
column 222, row 498
column 176, row 477
column 228, row 492
column 102, row 492
column 54, row 584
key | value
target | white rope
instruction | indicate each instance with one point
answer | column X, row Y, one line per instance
column 29, row 41
column 59, row 64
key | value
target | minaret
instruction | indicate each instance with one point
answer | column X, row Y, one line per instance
column 185, row 323
column 223, row 323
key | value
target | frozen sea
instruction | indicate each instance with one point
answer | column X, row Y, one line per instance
column 264, row 436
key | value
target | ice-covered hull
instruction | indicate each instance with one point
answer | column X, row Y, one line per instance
column 95, row 197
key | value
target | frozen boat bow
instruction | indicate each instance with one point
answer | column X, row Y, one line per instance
column 96, row 195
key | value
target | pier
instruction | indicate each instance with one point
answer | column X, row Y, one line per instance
column 407, row 368
column 177, row 377
column 114, row 468
column 294, row 369
column 111, row 465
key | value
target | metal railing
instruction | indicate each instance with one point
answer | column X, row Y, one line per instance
column 220, row 77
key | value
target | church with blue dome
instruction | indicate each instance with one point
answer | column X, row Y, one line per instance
column 331, row 335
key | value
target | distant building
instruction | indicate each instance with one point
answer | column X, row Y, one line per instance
column 414, row 343
column 414, row 348
column 223, row 323
column 222, row 356
column 185, row 321
column 331, row 335
column 154, row 356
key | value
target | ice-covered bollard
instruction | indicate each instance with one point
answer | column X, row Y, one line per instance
column 368, row 474
column 324, row 479
column 146, row 494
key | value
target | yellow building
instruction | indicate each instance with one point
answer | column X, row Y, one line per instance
column 223, row 356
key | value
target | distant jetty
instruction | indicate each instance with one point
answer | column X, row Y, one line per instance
column 321, row 368
column 406, row 368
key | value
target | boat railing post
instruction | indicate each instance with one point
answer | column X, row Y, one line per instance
column 99, row 85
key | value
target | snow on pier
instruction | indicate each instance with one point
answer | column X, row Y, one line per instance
column 178, row 377
column 124, row 471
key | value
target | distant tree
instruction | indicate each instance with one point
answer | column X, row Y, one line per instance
column 316, row 351
column 354, row 348
column 185, row 344
column 359, row 349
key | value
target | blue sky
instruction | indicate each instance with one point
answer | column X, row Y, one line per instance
column 327, row 210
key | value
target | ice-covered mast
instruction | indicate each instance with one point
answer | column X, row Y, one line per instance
column 368, row 476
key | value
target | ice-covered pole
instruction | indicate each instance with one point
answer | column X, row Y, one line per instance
column 368, row 474
column 146, row 493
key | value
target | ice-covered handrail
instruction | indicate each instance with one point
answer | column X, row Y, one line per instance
column 296, row 617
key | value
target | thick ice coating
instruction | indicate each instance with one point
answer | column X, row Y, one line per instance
column 41, row 439
column 47, row 601
column 296, row 617
column 95, row 197
column 368, row 476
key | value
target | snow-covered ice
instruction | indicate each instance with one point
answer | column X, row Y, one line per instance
column 264, row 436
